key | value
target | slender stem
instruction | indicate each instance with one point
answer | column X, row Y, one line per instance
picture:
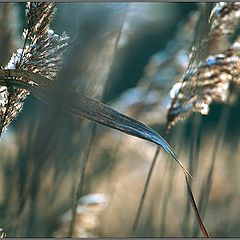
column 86, row 156
column 168, row 178
column 196, row 210
column 143, row 196
column 206, row 187
column 80, row 184
column 193, row 158
column 168, row 192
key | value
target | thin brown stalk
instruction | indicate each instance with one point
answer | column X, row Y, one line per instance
column 193, row 159
column 116, row 151
column 163, row 182
column 190, row 194
column 168, row 178
column 206, row 187
column 167, row 195
column 196, row 210
column 143, row 196
column 80, row 184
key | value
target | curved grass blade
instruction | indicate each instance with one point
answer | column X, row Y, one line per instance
column 82, row 106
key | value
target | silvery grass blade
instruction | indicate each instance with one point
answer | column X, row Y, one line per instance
column 82, row 106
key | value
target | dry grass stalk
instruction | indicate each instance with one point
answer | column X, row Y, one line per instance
column 33, row 75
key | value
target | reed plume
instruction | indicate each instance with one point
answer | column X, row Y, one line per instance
column 214, row 64
column 42, row 53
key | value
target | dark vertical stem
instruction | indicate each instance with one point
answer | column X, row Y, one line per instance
column 169, row 185
column 168, row 176
column 80, row 184
column 196, row 210
column 161, row 200
column 206, row 187
column 143, row 196
column 193, row 159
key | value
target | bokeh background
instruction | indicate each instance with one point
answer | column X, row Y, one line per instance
column 128, row 55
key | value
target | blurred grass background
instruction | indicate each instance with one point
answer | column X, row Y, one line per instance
column 42, row 151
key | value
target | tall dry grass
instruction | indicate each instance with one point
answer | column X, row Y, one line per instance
column 62, row 175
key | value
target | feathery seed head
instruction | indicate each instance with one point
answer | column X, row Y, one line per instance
column 209, row 80
column 42, row 53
